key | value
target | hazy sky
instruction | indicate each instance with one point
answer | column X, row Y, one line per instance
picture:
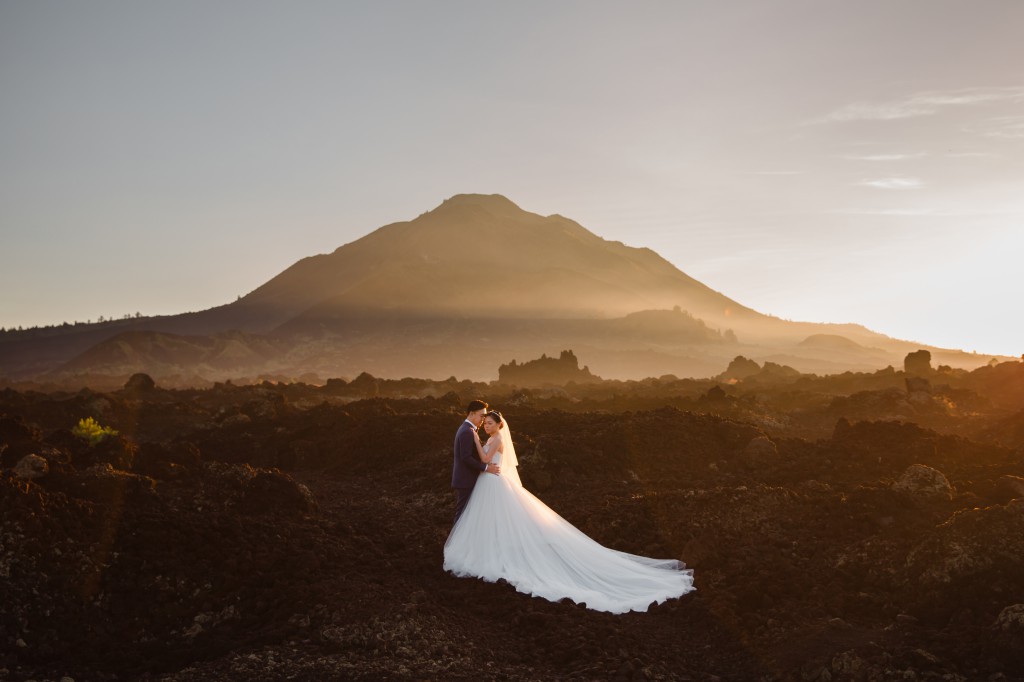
column 816, row 160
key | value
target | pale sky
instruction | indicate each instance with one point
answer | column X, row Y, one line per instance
column 816, row 160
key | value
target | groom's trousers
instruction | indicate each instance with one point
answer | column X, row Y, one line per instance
column 461, row 500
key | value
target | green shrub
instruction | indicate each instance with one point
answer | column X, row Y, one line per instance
column 90, row 430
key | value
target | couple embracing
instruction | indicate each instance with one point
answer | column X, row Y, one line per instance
column 503, row 532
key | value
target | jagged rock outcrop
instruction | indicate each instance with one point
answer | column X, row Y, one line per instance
column 918, row 363
column 545, row 371
column 740, row 368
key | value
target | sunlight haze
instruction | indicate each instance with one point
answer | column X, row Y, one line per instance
column 819, row 161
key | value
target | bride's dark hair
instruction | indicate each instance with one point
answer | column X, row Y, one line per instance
column 496, row 416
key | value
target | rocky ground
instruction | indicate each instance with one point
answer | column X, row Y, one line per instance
column 852, row 530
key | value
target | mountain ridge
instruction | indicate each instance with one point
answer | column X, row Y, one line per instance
column 464, row 287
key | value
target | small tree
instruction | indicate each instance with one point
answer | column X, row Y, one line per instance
column 89, row 429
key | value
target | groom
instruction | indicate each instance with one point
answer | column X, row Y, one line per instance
column 467, row 465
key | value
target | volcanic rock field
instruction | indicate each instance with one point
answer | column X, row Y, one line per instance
column 853, row 527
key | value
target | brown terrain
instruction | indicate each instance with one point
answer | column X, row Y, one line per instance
column 859, row 526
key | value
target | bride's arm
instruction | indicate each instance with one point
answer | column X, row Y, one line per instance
column 479, row 449
column 484, row 457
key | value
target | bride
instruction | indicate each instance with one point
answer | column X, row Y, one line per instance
column 507, row 533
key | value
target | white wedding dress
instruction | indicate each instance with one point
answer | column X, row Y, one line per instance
column 507, row 533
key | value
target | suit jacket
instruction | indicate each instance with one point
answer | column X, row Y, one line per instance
column 466, row 465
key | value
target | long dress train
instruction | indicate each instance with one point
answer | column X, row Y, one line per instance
column 507, row 533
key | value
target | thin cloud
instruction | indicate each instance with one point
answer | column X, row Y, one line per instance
column 967, row 155
column 922, row 104
column 926, row 212
column 885, row 157
column 893, row 183
column 781, row 172
column 1006, row 127
column 913, row 212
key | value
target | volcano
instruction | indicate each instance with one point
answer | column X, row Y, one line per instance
column 478, row 256
column 460, row 289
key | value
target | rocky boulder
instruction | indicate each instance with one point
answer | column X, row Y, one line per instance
column 273, row 492
column 1007, row 642
column 973, row 545
column 924, row 482
column 101, row 483
column 30, row 467
column 1011, row 487
column 1010, row 619
column 760, row 451
column 140, row 383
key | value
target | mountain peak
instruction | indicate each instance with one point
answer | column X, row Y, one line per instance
column 494, row 205
column 434, row 266
column 482, row 200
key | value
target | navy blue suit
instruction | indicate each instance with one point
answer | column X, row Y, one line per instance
column 466, row 466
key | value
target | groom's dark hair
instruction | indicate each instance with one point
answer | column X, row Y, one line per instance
column 475, row 405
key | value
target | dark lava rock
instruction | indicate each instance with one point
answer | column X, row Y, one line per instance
column 31, row 467
column 100, row 483
column 64, row 440
column 272, row 492
column 1007, row 637
column 809, row 565
column 14, row 429
column 167, row 461
column 1010, row 487
column 740, row 367
column 117, row 451
column 923, row 481
column 17, row 439
column 969, row 561
column 270, row 406
column 918, row 363
column 760, row 452
column 140, row 383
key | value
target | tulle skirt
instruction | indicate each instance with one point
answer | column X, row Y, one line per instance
column 507, row 533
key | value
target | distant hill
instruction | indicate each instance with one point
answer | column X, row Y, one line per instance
column 163, row 354
column 831, row 341
column 456, row 291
